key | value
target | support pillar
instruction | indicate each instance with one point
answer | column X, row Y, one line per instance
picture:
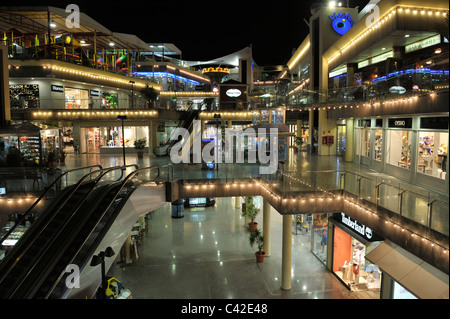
column 286, row 263
column 266, row 227
column 152, row 137
column 237, row 202
column 349, row 143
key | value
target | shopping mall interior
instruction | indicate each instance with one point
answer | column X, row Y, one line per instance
column 127, row 172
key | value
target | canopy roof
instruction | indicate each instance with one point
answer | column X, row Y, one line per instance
column 31, row 20
column 230, row 59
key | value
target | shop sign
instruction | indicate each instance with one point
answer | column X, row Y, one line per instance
column 341, row 22
column 363, row 230
column 423, row 44
column 57, row 88
column 94, row 93
column 400, row 123
column 2, row 191
column 397, row 89
column 233, row 93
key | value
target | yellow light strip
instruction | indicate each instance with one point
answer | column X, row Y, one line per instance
column 93, row 114
column 92, row 75
column 300, row 55
column 188, row 93
column 385, row 18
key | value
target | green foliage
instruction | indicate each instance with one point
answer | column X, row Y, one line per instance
column 257, row 238
column 140, row 144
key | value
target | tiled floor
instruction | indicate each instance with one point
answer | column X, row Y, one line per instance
column 206, row 255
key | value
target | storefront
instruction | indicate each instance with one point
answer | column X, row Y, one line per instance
column 107, row 138
column 413, row 148
column 27, row 144
column 319, row 236
column 351, row 241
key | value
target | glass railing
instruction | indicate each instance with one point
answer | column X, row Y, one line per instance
column 12, row 231
column 411, row 202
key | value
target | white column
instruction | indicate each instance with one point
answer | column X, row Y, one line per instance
column 266, row 227
column 286, row 253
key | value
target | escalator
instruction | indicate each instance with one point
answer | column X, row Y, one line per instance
column 83, row 222
column 186, row 123
column 41, row 245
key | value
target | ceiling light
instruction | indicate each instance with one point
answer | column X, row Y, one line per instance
column 383, row 48
column 53, row 24
column 331, row 3
column 406, row 35
column 111, row 44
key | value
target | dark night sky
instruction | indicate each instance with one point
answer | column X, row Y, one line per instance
column 205, row 30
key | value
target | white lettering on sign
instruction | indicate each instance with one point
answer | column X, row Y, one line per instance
column 353, row 224
column 233, row 92
column 399, row 123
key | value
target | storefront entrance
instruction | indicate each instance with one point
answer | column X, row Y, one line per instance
column 341, row 140
column 351, row 242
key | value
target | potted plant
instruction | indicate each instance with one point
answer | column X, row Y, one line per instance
column 150, row 94
column 50, row 158
column 62, row 156
column 298, row 142
column 251, row 212
column 256, row 237
column 139, row 145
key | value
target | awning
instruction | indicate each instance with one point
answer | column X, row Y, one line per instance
column 417, row 276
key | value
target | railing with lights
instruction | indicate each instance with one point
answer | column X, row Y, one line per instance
column 304, row 191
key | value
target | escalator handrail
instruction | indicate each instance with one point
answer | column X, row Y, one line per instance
column 42, row 196
column 122, row 185
column 190, row 111
column 77, row 186
column 191, row 123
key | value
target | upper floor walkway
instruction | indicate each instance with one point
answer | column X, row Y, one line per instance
column 411, row 216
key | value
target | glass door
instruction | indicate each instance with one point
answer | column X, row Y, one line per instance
column 341, row 140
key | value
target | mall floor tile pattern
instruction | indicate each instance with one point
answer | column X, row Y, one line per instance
column 207, row 255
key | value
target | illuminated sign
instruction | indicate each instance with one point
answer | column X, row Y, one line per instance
column 233, row 93
column 397, row 89
column 376, row 59
column 423, row 44
column 337, row 72
column 341, row 22
column 57, row 88
column 359, row 228
column 216, row 70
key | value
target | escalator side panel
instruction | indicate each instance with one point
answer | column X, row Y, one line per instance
column 144, row 199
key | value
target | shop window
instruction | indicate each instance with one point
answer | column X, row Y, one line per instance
column 377, row 147
column 351, row 266
column 432, row 150
column 398, row 150
column 320, row 236
column 76, row 98
column 364, row 142
column 24, row 96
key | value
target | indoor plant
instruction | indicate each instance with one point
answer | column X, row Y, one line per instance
column 251, row 211
column 62, row 156
column 50, row 158
column 298, row 142
column 256, row 237
column 139, row 145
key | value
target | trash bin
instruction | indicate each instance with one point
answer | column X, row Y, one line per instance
column 178, row 208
